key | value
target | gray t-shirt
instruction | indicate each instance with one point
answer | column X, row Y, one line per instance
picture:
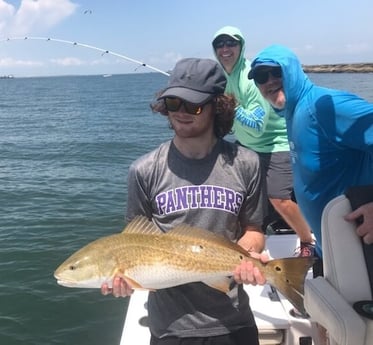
column 221, row 193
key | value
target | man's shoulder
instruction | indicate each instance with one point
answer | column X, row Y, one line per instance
column 152, row 156
column 238, row 151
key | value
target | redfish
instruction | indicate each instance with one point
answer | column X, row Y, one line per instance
column 148, row 258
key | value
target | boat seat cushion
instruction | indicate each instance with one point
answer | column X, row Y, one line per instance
column 329, row 299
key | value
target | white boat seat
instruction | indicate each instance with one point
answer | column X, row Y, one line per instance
column 329, row 300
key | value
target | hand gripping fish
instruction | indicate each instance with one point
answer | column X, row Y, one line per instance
column 148, row 258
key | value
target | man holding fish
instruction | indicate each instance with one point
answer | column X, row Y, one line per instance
column 194, row 214
column 220, row 191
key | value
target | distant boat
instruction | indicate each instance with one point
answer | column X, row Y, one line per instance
column 107, row 75
column 9, row 76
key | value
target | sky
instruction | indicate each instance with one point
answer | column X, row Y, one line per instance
column 159, row 33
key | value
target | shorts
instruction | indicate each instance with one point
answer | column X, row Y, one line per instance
column 243, row 336
column 279, row 177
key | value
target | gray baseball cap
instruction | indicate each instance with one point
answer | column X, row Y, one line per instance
column 195, row 80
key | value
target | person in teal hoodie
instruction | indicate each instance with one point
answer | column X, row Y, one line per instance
column 259, row 128
column 330, row 134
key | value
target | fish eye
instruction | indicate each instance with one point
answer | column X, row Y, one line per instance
column 72, row 268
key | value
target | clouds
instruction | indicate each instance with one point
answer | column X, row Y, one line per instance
column 67, row 61
column 9, row 62
column 33, row 16
column 6, row 11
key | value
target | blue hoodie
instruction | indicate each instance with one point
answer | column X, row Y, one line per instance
column 330, row 134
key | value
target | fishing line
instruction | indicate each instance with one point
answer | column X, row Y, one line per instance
column 103, row 51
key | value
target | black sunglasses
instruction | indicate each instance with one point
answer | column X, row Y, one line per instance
column 228, row 42
column 174, row 104
column 261, row 76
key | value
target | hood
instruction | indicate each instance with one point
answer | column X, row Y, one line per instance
column 235, row 33
column 295, row 81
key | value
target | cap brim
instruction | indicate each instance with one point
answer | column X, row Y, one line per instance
column 261, row 64
column 188, row 95
column 236, row 38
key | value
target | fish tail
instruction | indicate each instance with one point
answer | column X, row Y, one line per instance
column 287, row 276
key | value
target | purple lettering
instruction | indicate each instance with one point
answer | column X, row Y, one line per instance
column 230, row 200
column 193, row 191
column 203, row 196
column 170, row 202
column 161, row 202
column 219, row 198
column 206, row 196
column 181, row 198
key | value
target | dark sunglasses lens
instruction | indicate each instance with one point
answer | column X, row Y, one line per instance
column 231, row 43
column 228, row 43
column 261, row 77
column 218, row 44
column 193, row 109
column 172, row 104
column 276, row 72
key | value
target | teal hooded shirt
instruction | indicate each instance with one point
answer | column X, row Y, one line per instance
column 330, row 134
column 256, row 125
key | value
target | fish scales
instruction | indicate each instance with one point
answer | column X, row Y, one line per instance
column 177, row 253
column 148, row 258
column 186, row 248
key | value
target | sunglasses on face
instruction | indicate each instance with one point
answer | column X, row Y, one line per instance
column 174, row 104
column 262, row 76
column 228, row 43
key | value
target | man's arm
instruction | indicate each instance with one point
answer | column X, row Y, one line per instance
column 253, row 241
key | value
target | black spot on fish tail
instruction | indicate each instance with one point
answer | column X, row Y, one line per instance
column 287, row 276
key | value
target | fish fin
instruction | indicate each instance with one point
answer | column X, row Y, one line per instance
column 187, row 231
column 221, row 284
column 134, row 284
column 287, row 276
column 119, row 273
column 142, row 225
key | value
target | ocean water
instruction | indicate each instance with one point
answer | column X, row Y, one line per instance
column 65, row 147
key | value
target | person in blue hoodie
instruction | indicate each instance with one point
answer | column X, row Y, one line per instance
column 257, row 127
column 330, row 133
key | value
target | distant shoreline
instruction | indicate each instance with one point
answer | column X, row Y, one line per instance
column 366, row 67
column 339, row 68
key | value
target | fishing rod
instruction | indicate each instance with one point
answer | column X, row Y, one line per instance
column 103, row 51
